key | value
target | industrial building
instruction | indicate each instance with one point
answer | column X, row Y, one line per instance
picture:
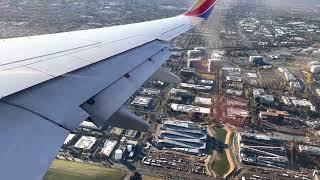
column 182, row 136
column 85, row 142
column 189, row 108
column 108, row 147
column 262, row 150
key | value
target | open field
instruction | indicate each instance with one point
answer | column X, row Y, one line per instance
column 67, row 170
column 144, row 177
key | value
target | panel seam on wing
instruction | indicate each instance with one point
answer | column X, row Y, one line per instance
column 37, row 114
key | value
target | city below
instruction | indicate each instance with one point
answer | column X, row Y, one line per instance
column 248, row 106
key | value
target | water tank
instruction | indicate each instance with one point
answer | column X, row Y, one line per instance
column 118, row 155
column 315, row 69
column 129, row 148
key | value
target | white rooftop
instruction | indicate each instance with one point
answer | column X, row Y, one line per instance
column 204, row 101
column 108, row 147
column 85, row 142
column 142, row 101
column 189, row 108
column 88, row 124
column 69, row 138
column 194, row 86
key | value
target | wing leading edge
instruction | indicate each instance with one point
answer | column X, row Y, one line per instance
column 47, row 81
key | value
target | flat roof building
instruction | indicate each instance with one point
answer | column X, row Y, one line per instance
column 183, row 136
column 108, row 147
column 195, row 87
column 315, row 150
column 69, row 138
column 189, row 108
column 203, row 101
column 150, row 92
column 141, row 101
column 89, row 125
column 85, row 142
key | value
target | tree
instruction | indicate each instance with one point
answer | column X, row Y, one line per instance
column 136, row 176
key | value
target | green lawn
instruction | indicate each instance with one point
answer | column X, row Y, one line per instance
column 67, row 170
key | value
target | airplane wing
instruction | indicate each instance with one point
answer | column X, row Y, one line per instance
column 51, row 83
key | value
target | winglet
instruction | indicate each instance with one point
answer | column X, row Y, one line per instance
column 202, row 8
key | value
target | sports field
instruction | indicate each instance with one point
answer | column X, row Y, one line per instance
column 67, row 170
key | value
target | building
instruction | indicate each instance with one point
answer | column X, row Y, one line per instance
column 318, row 92
column 182, row 136
column 257, row 60
column 234, row 92
column 234, row 78
column 202, row 101
column 273, row 116
column 69, row 138
column 141, row 101
column 262, row 150
column 309, row 149
column 195, row 87
column 207, row 82
column 189, row 108
column 178, row 92
column 194, row 54
column 315, row 69
column 260, row 96
column 150, row 92
column 85, row 142
column 131, row 133
column 89, row 125
column 108, row 147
